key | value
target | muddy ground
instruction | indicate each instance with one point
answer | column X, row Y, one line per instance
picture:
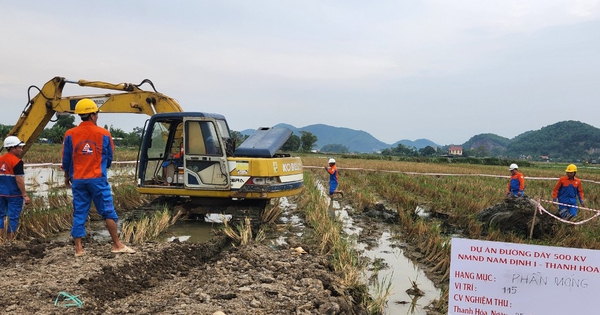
column 168, row 278
column 183, row 278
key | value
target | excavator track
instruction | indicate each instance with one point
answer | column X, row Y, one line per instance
column 197, row 208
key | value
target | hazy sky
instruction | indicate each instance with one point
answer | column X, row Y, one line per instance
column 436, row 69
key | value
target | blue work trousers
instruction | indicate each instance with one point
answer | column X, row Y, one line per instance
column 11, row 207
column 84, row 192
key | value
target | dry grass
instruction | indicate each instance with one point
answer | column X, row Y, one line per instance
column 51, row 153
column 46, row 216
column 538, row 170
column 381, row 292
column 459, row 197
column 243, row 236
column 272, row 212
column 327, row 234
column 126, row 196
column 148, row 228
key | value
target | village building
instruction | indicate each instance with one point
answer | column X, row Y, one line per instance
column 455, row 150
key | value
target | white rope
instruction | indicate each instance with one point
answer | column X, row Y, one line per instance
column 541, row 209
column 443, row 174
column 33, row 165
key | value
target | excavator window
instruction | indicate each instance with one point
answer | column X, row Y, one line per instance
column 165, row 150
column 160, row 135
column 202, row 138
column 186, row 152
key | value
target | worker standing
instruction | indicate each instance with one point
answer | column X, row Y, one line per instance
column 12, row 185
column 516, row 183
column 566, row 192
column 86, row 156
column 333, row 178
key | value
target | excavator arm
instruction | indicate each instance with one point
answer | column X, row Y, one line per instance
column 49, row 101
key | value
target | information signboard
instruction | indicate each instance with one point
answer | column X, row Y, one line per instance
column 495, row 278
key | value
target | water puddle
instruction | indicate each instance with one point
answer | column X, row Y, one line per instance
column 388, row 263
column 391, row 266
column 45, row 178
column 191, row 231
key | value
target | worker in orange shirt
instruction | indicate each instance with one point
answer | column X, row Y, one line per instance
column 566, row 192
column 516, row 183
column 86, row 156
column 170, row 166
column 12, row 185
column 333, row 178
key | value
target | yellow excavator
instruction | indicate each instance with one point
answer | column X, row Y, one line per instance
column 185, row 156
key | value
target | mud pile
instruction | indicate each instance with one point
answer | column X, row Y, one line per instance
column 515, row 215
column 380, row 213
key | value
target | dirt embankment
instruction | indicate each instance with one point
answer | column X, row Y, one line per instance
column 168, row 278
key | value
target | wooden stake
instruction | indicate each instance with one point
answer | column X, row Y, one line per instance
column 533, row 220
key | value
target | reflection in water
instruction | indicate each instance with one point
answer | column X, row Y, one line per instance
column 396, row 268
column 191, row 231
column 399, row 273
column 40, row 179
column 179, row 238
column 288, row 217
column 217, row 217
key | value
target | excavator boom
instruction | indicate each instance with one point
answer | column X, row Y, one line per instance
column 49, row 101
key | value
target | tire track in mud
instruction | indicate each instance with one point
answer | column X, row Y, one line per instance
column 19, row 252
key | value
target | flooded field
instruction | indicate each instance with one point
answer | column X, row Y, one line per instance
column 388, row 265
column 191, row 231
column 48, row 177
column 393, row 267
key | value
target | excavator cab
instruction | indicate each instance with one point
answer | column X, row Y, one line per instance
column 184, row 152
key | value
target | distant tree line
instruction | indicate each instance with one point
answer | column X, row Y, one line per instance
column 304, row 143
column 55, row 134
column 334, row 148
column 402, row 150
column 63, row 123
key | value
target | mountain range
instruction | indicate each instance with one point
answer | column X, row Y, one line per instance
column 565, row 140
column 355, row 140
column 562, row 140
